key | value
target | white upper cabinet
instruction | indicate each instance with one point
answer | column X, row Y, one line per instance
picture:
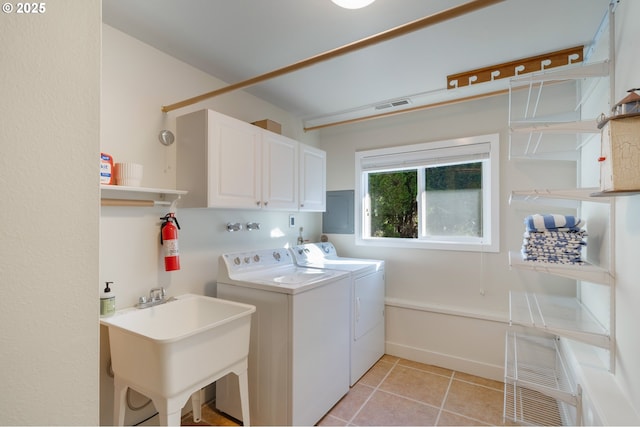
column 228, row 163
column 235, row 164
column 220, row 160
column 313, row 180
column 280, row 172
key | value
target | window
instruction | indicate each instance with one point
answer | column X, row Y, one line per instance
column 438, row 195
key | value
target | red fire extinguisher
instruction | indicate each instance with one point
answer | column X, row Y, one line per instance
column 169, row 239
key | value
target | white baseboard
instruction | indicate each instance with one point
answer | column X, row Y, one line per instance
column 450, row 337
column 473, row 367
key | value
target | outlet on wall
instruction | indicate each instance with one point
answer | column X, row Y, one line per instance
column 292, row 221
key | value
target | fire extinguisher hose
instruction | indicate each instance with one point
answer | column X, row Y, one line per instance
column 168, row 218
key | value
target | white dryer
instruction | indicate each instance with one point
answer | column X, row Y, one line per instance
column 299, row 341
column 367, row 291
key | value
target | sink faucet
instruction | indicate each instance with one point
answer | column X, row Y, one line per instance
column 156, row 297
column 157, row 294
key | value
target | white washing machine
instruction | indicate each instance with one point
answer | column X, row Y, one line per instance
column 299, row 345
column 366, row 335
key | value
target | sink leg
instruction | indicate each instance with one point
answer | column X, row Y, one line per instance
column 243, row 382
column 172, row 419
column 196, row 405
column 119, row 401
column 170, row 409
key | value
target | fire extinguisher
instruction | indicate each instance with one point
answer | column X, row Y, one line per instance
column 169, row 239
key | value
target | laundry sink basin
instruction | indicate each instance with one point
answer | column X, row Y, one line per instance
column 177, row 347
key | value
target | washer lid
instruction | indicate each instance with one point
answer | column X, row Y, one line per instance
column 302, row 276
column 346, row 264
column 291, row 279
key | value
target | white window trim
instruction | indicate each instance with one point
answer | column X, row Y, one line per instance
column 396, row 157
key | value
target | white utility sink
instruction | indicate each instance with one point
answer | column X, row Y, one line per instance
column 170, row 351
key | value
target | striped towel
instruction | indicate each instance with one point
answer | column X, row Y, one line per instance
column 558, row 247
column 544, row 239
column 543, row 222
column 556, row 234
column 555, row 259
column 553, row 238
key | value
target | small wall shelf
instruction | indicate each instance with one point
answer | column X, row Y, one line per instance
column 118, row 195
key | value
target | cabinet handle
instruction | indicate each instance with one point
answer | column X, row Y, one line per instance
column 258, row 203
column 266, row 203
column 302, row 205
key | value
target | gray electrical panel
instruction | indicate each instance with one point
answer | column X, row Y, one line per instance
column 339, row 217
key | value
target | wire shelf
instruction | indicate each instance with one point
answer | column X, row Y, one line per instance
column 539, row 389
column 564, row 316
column 548, row 142
column 530, row 407
column 585, row 271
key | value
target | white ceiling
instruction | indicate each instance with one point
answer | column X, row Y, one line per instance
column 238, row 39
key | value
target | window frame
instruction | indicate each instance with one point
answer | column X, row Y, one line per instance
column 418, row 156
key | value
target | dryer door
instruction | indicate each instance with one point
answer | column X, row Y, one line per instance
column 368, row 303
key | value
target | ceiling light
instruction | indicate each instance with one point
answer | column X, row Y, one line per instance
column 353, row 4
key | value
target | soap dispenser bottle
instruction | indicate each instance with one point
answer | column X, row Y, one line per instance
column 107, row 301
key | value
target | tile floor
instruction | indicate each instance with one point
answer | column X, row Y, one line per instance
column 397, row 391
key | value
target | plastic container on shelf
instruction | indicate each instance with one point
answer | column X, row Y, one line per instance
column 107, row 175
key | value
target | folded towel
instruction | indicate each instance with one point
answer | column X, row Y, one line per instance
column 557, row 259
column 549, row 249
column 553, row 238
column 542, row 222
column 557, row 234
column 553, row 244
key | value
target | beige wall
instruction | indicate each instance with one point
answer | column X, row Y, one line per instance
column 446, row 307
column 435, row 312
column 49, row 145
column 50, row 215
column 136, row 81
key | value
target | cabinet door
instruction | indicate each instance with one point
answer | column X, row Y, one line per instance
column 235, row 169
column 313, row 183
column 279, row 172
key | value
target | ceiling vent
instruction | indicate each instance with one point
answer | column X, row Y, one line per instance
column 392, row 104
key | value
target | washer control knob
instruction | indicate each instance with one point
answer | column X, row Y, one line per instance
column 256, row 258
column 236, row 260
column 247, row 260
column 276, row 255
